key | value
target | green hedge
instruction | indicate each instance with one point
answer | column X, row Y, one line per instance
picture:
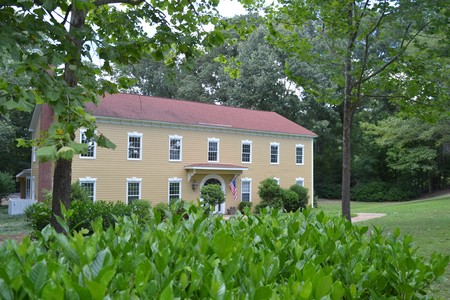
column 83, row 213
column 273, row 255
column 378, row 191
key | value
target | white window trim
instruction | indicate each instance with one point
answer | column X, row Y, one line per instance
column 303, row 154
column 33, row 153
column 247, row 142
column 89, row 180
column 178, row 137
column 95, row 146
column 134, row 134
column 300, row 179
column 218, row 149
column 174, row 180
column 277, row 180
column 133, row 180
column 278, row 153
column 247, row 179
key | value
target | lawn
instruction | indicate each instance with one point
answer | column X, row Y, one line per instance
column 11, row 226
column 428, row 221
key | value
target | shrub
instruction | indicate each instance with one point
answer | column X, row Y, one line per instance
column 328, row 190
column 298, row 200
column 7, row 185
column 38, row 215
column 141, row 208
column 212, row 194
column 270, row 256
column 79, row 193
column 377, row 191
column 270, row 193
column 243, row 205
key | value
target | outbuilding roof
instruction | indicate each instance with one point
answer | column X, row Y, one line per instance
column 149, row 108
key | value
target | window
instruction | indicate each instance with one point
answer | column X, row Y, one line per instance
column 28, row 187
column 90, row 153
column 299, row 152
column 300, row 181
column 174, row 189
column 134, row 146
column 175, row 145
column 133, row 189
column 89, row 184
column 274, row 153
column 246, row 151
column 246, row 189
column 213, row 149
column 277, row 180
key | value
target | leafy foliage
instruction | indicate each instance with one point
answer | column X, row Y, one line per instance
column 244, row 205
column 272, row 195
column 300, row 201
column 7, row 185
column 83, row 213
column 270, row 256
column 212, row 194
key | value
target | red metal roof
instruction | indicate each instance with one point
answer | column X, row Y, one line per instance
column 137, row 107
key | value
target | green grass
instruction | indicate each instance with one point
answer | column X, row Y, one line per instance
column 11, row 225
column 427, row 221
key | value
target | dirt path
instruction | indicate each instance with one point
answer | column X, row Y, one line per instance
column 367, row 216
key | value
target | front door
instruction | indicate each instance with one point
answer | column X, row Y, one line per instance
column 214, row 179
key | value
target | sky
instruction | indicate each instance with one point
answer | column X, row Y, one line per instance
column 230, row 8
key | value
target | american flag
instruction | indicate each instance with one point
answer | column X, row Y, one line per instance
column 233, row 188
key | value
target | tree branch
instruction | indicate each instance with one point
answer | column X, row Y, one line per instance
column 131, row 2
column 402, row 50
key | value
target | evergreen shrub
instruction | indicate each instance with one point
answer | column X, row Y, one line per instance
column 7, row 185
column 299, row 202
column 274, row 255
column 212, row 195
column 328, row 190
column 378, row 191
column 243, row 205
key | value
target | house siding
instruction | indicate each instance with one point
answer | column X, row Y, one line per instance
column 111, row 168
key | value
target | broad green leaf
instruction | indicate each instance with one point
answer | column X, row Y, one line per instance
column 218, row 287
column 222, row 244
column 323, row 286
column 46, row 153
column 306, row 290
column 66, row 153
column 167, row 293
column 263, row 292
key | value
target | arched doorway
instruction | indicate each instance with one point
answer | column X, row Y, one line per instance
column 215, row 179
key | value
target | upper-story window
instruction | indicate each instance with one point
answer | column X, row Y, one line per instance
column 90, row 153
column 246, row 189
column 274, row 153
column 175, row 147
column 299, row 154
column 134, row 146
column 246, row 151
column 133, row 189
column 300, row 181
column 89, row 184
column 174, row 189
column 213, row 149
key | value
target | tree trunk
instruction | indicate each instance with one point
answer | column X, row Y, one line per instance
column 62, row 179
column 348, row 116
column 346, row 159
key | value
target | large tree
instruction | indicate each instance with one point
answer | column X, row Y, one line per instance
column 49, row 47
column 359, row 47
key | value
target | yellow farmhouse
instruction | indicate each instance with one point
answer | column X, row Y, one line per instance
column 168, row 149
